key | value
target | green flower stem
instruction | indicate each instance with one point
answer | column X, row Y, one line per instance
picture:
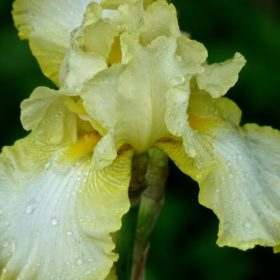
column 125, row 244
column 125, row 237
column 152, row 200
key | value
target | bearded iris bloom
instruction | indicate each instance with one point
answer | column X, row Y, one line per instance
column 128, row 81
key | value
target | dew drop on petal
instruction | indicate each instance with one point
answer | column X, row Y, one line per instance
column 30, row 208
column 54, row 222
column 59, row 113
column 79, row 261
column 248, row 225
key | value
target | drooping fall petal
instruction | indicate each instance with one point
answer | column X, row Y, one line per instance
column 238, row 175
column 57, row 215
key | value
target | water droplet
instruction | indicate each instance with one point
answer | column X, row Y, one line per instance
column 180, row 124
column 59, row 113
column 192, row 152
column 5, row 244
column 69, row 233
column 248, row 225
column 30, row 208
column 54, row 222
column 79, row 261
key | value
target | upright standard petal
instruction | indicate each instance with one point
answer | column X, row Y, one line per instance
column 239, row 175
column 78, row 67
column 47, row 25
column 160, row 19
column 129, row 101
column 56, row 216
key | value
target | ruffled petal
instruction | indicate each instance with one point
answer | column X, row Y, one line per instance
column 57, row 217
column 193, row 54
column 97, row 32
column 244, row 187
column 238, row 172
column 46, row 113
column 218, row 78
column 91, row 49
column 78, row 67
column 47, row 25
column 129, row 101
column 160, row 19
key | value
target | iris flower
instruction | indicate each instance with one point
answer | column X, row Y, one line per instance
column 128, row 81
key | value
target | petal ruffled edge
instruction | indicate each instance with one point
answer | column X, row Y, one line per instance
column 218, row 78
column 47, row 25
column 65, row 213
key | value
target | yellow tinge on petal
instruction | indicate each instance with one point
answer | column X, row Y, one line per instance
column 75, row 107
column 84, row 146
column 56, row 219
column 115, row 55
column 237, row 169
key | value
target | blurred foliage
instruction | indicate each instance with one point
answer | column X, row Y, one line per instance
column 183, row 243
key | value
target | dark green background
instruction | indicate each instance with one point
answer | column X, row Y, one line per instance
column 183, row 244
